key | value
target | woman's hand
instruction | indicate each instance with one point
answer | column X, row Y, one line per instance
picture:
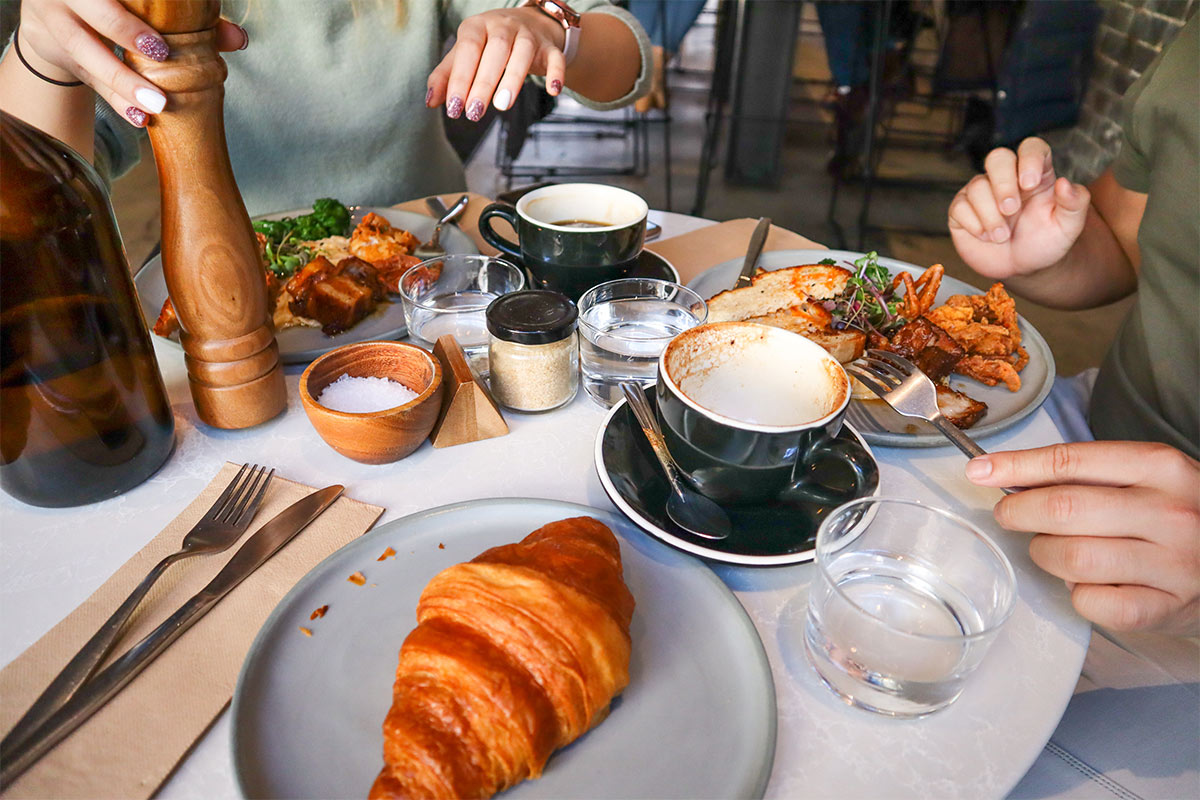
column 72, row 39
column 493, row 53
column 1017, row 218
column 1118, row 521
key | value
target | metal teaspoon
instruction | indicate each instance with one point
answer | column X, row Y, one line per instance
column 686, row 507
column 433, row 248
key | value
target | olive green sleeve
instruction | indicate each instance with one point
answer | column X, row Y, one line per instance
column 1131, row 167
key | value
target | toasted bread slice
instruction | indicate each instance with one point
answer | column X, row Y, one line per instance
column 844, row 345
column 778, row 290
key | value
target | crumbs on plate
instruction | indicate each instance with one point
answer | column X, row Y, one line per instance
column 389, row 553
column 358, row 579
column 320, row 612
column 441, row 546
column 305, row 631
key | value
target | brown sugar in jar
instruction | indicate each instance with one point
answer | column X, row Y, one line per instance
column 532, row 350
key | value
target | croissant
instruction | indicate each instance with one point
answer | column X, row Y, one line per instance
column 516, row 653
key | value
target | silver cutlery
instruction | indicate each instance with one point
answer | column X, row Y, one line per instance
column 753, row 251
column 222, row 525
column 109, row 681
column 433, row 248
column 686, row 507
column 911, row 393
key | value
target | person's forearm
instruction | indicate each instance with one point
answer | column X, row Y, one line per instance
column 66, row 113
column 1095, row 271
column 608, row 62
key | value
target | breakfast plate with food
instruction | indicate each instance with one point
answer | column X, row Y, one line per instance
column 332, row 275
column 991, row 366
column 547, row 630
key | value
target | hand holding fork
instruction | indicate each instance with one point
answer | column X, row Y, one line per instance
column 910, row 392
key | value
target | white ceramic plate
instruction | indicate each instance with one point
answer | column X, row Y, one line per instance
column 697, row 719
column 302, row 345
column 874, row 418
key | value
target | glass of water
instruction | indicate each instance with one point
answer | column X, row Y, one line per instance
column 624, row 325
column 451, row 293
column 906, row 601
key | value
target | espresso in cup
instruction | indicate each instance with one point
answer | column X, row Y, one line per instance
column 572, row 236
column 750, row 412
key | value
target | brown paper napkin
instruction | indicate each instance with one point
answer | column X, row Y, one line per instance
column 694, row 252
column 129, row 747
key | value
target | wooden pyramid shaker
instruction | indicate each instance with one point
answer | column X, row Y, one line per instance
column 469, row 414
column 210, row 258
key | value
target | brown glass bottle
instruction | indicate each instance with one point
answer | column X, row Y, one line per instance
column 83, row 411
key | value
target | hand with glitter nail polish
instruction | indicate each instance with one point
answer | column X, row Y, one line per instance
column 496, row 50
column 372, row 142
column 68, row 40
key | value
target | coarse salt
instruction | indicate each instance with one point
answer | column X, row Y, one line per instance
column 362, row 395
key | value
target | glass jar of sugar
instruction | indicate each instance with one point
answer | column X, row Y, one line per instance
column 532, row 350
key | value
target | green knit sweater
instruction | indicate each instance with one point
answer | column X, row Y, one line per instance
column 328, row 100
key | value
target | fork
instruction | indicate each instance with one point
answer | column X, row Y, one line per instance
column 222, row 525
column 903, row 386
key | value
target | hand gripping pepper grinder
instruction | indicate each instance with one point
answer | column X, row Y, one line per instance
column 210, row 258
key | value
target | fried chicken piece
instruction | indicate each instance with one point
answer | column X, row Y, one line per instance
column 982, row 339
column 1019, row 359
column 167, row 323
column 990, row 371
column 1002, row 310
column 376, row 241
column 951, row 316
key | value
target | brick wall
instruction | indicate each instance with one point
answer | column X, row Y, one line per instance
column 1131, row 34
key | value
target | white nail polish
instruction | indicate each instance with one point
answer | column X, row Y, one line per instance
column 502, row 99
column 150, row 100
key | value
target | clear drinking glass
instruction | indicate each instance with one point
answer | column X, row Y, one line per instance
column 451, row 293
column 906, row 601
column 624, row 325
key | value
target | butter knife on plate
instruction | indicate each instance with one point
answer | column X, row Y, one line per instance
column 92, row 696
column 757, row 240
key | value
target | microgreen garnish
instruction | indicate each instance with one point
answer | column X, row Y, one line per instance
column 867, row 303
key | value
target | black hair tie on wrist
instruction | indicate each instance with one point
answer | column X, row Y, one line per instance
column 21, row 56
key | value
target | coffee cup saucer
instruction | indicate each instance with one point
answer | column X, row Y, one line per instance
column 773, row 533
column 649, row 265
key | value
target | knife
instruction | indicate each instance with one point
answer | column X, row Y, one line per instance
column 92, row 696
column 757, row 240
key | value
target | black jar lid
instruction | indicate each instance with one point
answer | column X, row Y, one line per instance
column 533, row 316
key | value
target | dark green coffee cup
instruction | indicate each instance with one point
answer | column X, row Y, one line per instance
column 572, row 236
column 751, row 413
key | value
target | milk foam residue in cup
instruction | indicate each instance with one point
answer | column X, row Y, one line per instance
column 751, row 391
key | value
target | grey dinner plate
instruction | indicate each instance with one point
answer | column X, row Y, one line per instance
column 697, row 719
column 875, row 420
column 302, row 345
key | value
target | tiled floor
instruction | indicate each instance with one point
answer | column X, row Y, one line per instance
column 800, row 202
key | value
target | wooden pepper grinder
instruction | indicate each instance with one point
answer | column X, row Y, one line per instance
column 209, row 254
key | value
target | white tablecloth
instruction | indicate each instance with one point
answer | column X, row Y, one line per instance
column 52, row 559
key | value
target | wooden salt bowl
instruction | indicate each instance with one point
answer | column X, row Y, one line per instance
column 375, row 437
